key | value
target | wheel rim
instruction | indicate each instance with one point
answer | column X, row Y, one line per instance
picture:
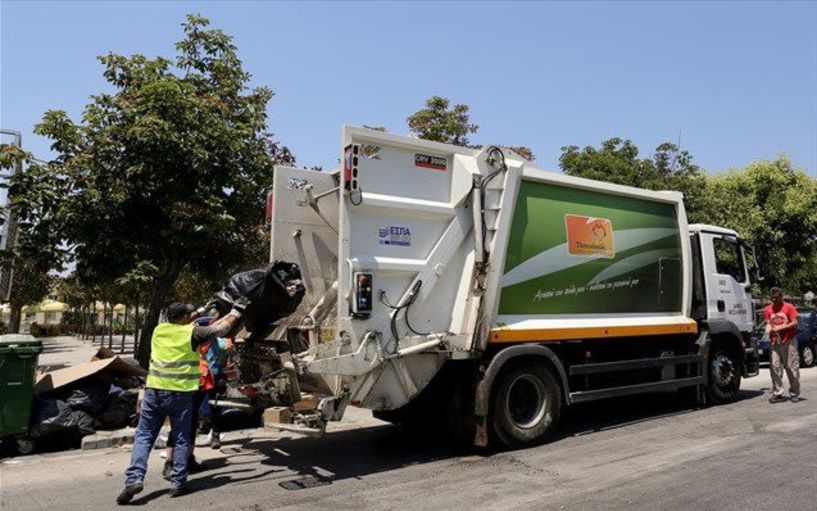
column 526, row 402
column 723, row 370
column 25, row 446
column 808, row 356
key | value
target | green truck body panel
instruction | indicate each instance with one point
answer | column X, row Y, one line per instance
column 574, row 251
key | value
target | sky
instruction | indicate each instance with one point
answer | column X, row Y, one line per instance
column 734, row 82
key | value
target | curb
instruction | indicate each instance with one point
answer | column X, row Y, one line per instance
column 104, row 439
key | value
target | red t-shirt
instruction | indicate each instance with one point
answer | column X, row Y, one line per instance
column 780, row 315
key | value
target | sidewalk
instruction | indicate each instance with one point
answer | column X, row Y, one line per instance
column 64, row 351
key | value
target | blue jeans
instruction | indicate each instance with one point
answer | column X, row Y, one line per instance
column 157, row 405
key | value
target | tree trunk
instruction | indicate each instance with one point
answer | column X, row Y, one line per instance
column 136, row 326
column 158, row 295
column 104, row 323
column 151, row 320
column 124, row 330
column 14, row 320
column 93, row 322
column 83, row 321
column 110, row 326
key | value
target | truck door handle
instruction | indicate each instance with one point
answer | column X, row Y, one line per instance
column 721, row 306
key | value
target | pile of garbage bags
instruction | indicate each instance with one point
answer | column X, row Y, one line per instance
column 77, row 401
column 84, row 410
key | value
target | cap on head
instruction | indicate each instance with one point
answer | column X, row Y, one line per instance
column 177, row 311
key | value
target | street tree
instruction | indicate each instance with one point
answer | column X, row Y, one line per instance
column 33, row 198
column 169, row 169
column 774, row 204
column 439, row 123
column 617, row 161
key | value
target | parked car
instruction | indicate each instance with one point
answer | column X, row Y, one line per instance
column 806, row 338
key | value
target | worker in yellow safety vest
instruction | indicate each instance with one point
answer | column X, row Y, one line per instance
column 173, row 379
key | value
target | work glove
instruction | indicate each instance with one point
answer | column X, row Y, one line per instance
column 239, row 306
column 292, row 287
column 204, row 309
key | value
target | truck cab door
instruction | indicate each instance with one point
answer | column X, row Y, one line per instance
column 727, row 280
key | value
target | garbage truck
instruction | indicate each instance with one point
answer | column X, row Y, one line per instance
column 472, row 286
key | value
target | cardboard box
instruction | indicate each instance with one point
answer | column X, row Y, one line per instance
column 277, row 415
column 307, row 403
column 61, row 377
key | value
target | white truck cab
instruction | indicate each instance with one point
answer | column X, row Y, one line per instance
column 726, row 276
column 721, row 286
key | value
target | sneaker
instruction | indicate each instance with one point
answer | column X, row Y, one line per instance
column 129, row 492
column 167, row 470
column 178, row 492
column 795, row 399
column 215, row 440
column 777, row 399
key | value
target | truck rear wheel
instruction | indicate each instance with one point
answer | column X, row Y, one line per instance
column 526, row 406
column 724, row 376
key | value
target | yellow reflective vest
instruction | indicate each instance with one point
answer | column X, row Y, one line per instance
column 173, row 363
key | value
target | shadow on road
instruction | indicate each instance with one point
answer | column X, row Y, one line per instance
column 620, row 412
column 300, row 463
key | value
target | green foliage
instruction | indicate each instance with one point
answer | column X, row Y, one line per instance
column 773, row 204
column 33, row 200
column 438, row 123
column 168, row 171
column 31, row 283
column 523, row 151
column 617, row 161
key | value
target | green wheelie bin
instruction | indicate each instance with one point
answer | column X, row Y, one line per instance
column 18, row 362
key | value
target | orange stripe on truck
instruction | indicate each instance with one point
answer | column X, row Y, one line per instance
column 499, row 335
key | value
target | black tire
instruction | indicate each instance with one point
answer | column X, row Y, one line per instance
column 808, row 355
column 724, row 376
column 527, row 402
column 25, row 446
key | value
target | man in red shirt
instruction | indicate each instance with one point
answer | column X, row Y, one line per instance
column 781, row 325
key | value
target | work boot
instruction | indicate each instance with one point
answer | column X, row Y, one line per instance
column 129, row 492
column 178, row 492
column 777, row 399
column 167, row 469
column 194, row 466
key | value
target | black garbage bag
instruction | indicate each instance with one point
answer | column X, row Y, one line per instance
column 49, row 416
column 53, row 416
column 119, row 412
column 91, row 399
column 274, row 293
column 82, row 422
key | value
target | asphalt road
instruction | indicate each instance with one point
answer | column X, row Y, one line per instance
column 643, row 453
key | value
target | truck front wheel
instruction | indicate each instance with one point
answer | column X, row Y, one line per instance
column 526, row 406
column 724, row 376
